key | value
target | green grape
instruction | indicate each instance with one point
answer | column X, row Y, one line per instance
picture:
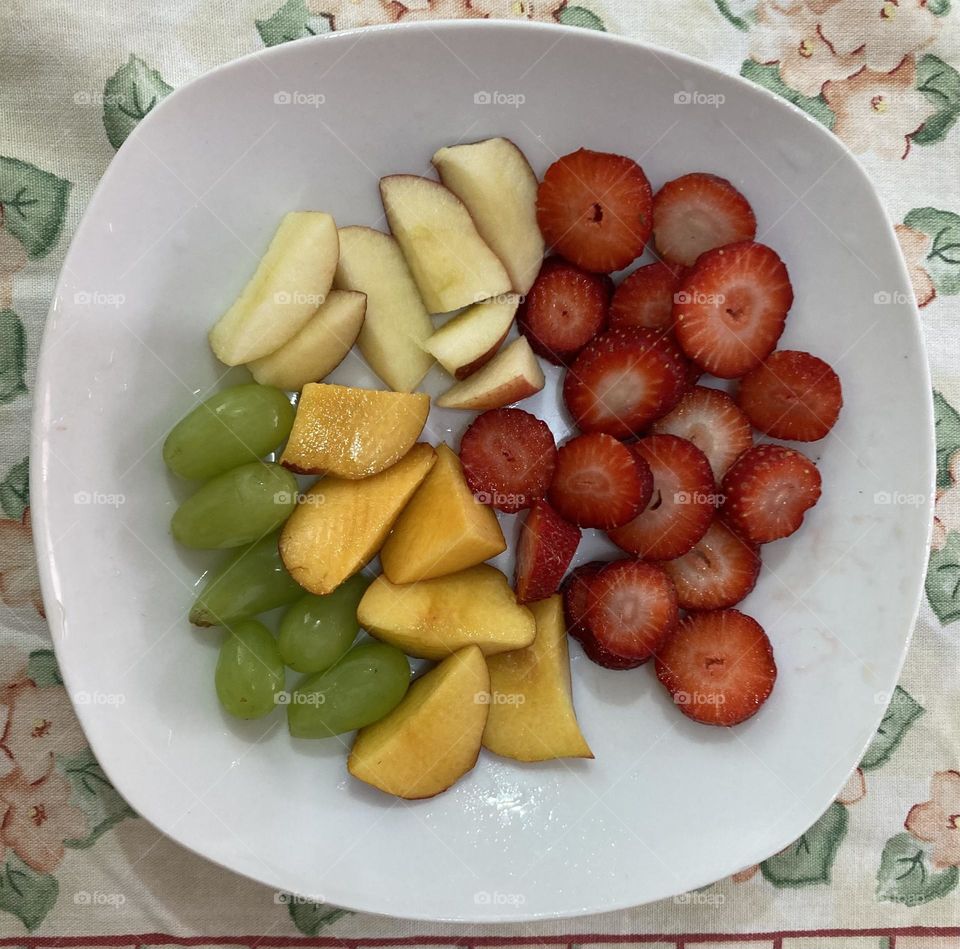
column 250, row 581
column 366, row 684
column 236, row 508
column 317, row 630
column 249, row 675
column 233, row 427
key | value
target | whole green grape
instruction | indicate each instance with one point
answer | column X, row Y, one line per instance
column 236, row 507
column 366, row 684
column 317, row 630
column 233, row 427
column 250, row 581
column 250, row 675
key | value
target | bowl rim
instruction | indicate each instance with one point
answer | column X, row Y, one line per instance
column 43, row 541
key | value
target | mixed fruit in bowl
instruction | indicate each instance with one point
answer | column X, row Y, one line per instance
column 666, row 376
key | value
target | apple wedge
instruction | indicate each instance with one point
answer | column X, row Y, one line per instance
column 318, row 348
column 397, row 323
column 496, row 183
column 433, row 618
column 432, row 738
column 531, row 702
column 513, row 374
column 352, row 433
column 290, row 282
column 443, row 529
column 338, row 525
column 449, row 260
column 471, row 339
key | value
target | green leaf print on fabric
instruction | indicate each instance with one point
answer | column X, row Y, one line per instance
column 943, row 257
column 25, row 893
column 95, row 796
column 947, row 428
column 128, row 95
column 907, row 876
column 940, row 83
column 901, row 713
column 15, row 490
column 13, row 356
column 809, row 860
column 33, row 204
column 42, row 668
column 938, row 7
column 310, row 917
column 769, row 78
column 741, row 22
column 293, row 21
column 582, row 17
column 943, row 580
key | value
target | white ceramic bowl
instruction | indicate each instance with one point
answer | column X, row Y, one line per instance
column 173, row 232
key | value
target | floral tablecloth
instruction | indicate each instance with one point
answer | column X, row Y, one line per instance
column 78, row 867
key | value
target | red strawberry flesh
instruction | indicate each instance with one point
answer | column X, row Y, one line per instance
column 547, row 545
column 767, row 491
column 645, row 298
column 718, row 667
column 595, row 209
column 792, row 395
column 599, row 482
column 696, row 213
column 731, row 308
column 508, row 457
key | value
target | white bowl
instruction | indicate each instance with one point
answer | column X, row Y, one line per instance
column 173, row 232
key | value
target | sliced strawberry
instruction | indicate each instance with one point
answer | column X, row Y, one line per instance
column 594, row 208
column 681, row 507
column 547, row 545
column 508, row 457
column 564, row 309
column 575, row 589
column 792, row 395
column 712, row 421
column 767, row 491
column 718, row 573
column 645, row 298
column 731, row 307
column 631, row 608
column 599, row 482
column 695, row 213
column 623, row 380
column 718, row 667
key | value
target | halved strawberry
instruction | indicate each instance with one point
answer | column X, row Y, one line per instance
column 631, row 608
column 623, row 380
column 594, row 208
column 697, row 212
column 547, row 545
column 564, row 309
column 731, row 307
column 712, row 421
column 645, row 298
column 681, row 507
column 792, row 395
column 767, row 491
column 508, row 457
column 575, row 589
column 718, row 667
column 599, row 482
column 718, row 573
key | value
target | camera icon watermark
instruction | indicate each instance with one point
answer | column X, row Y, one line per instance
column 712, row 99
column 93, row 498
column 695, row 297
column 499, row 698
column 98, row 898
column 98, row 298
column 282, row 898
column 284, row 298
column 495, row 898
column 312, row 99
column 899, row 499
column 515, row 99
column 299, row 698
column 896, row 297
column 115, row 699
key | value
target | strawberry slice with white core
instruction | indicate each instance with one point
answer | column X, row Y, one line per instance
column 718, row 573
column 731, row 308
column 624, row 380
column 767, row 491
column 681, row 507
column 631, row 608
column 696, row 213
column 713, row 422
column 645, row 298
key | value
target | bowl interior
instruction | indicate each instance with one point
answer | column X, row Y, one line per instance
column 174, row 231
